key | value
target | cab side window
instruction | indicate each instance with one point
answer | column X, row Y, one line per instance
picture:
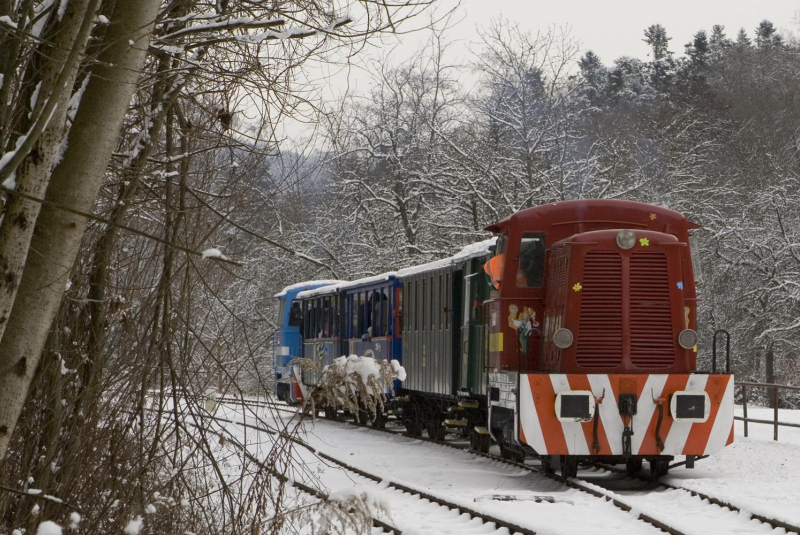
column 530, row 273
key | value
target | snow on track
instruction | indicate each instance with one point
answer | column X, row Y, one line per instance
column 755, row 474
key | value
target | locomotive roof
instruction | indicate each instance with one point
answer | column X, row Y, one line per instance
column 597, row 211
column 470, row 251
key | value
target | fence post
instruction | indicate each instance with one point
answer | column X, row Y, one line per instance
column 744, row 408
column 775, row 404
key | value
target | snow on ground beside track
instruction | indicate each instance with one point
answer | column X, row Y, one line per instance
column 755, row 474
column 459, row 477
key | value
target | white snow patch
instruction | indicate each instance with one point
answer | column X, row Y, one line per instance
column 48, row 528
column 62, row 8
column 150, row 509
column 35, row 98
column 306, row 285
column 11, row 182
column 214, row 253
column 372, row 498
column 134, row 526
column 5, row 19
column 102, row 19
column 74, row 520
column 398, row 370
column 35, row 510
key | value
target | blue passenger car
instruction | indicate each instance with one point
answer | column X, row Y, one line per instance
column 287, row 344
column 374, row 318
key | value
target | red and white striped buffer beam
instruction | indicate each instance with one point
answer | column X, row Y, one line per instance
column 557, row 413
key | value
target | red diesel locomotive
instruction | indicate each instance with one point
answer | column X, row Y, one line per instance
column 591, row 339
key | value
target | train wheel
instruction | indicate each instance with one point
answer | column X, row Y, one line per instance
column 414, row 428
column 484, row 441
column 435, row 431
column 547, row 464
column 569, row 466
column 362, row 417
column 633, row 466
column 379, row 422
column 658, row 468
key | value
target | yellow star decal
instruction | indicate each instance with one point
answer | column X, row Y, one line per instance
column 653, row 217
column 577, row 287
column 644, row 242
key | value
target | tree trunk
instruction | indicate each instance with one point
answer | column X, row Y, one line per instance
column 32, row 176
column 75, row 184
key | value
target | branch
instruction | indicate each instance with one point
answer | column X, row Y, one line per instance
column 93, row 217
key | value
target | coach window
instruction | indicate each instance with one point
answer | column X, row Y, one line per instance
column 398, row 303
column 352, row 301
column 530, row 273
column 425, row 301
column 384, row 311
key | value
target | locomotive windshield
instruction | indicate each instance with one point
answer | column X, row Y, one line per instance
column 530, row 273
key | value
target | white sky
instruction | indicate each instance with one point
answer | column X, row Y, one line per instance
column 611, row 28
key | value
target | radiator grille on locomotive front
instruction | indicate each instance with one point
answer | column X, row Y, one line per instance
column 601, row 343
column 652, row 342
column 600, row 327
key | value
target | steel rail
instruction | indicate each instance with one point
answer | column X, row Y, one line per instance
column 501, row 523
column 703, row 496
column 575, row 482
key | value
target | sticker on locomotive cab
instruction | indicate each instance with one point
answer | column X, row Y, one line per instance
column 524, row 323
column 518, row 320
column 653, row 217
column 577, row 287
column 644, row 242
column 680, row 285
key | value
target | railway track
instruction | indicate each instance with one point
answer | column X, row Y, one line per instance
column 598, row 487
column 465, row 514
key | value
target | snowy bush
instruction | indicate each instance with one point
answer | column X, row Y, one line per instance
column 355, row 383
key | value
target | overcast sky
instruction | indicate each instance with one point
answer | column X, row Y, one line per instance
column 611, row 28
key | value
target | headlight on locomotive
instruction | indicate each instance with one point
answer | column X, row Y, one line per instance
column 626, row 239
column 687, row 339
column 563, row 338
column 690, row 406
column 575, row 406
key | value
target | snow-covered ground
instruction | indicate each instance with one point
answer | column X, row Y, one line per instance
column 756, row 474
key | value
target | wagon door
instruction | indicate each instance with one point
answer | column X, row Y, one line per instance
column 475, row 288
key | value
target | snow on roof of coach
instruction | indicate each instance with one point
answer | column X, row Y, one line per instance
column 470, row 251
column 305, row 285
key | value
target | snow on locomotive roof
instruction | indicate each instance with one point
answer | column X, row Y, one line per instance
column 305, row 284
column 472, row 250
